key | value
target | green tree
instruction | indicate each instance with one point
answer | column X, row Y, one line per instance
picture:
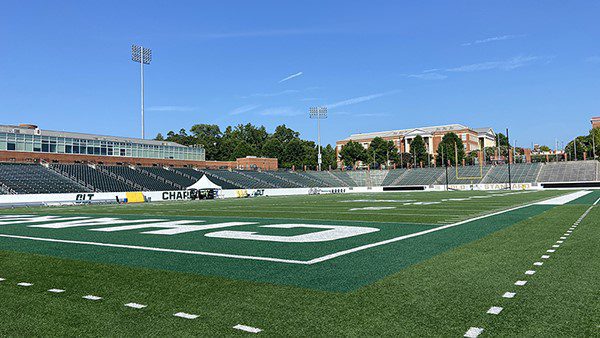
column 583, row 145
column 159, row 137
column 209, row 137
column 285, row 134
column 351, row 153
column 545, row 149
column 293, row 154
column 452, row 149
column 594, row 137
column 272, row 148
column 329, row 159
column 243, row 149
column 418, row 149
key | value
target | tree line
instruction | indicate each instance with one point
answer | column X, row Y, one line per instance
column 244, row 140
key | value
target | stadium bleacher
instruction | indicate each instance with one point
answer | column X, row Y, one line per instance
column 35, row 179
column 59, row 178
column 92, row 178
column 574, row 171
column 137, row 178
column 519, row 173
column 421, row 176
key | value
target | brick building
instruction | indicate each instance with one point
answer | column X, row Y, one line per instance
column 28, row 143
column 595, row 122
column 473, row 139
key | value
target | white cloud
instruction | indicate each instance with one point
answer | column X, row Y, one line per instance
column 290, row 77
column 171, row 108
column 359, row 99
column 282, row 111
column 512, row 63
column 244, row 109
column 283, row 92
column 493, row 39
column 428, row 76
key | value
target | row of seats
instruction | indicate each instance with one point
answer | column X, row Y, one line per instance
column 31, row 178
column 35, row 179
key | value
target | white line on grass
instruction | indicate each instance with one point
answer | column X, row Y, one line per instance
column 520, row 282
column 135, row 305
column 92, row 297
column 292, row 261
column 538, row 263
column 56, row 290
column 2, row 279
column 509, row 295
column 247, row 328
column 185, row 315
column 494, row 310
column 24, row 284
column 529, row 272
column 473, row 332
column 545, row 256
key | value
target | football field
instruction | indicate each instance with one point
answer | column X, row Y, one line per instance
column 350, row 264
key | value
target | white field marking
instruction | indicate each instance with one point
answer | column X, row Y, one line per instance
column 56, row 290
column 560, row 200
column 529, row 272
column 509, row 295
column 569, row 231
column 563, row 237
column 185, row 315
column 173, row 227
column 520, row 282
column 372, row 208
column 247, row 328
column 551, row 250
column 92, row 297
column 136, row 305
column 2, row 279
column 567, row 234
column 494, row 310
column 376, row 201
column 545, row 256
column 279, row 260
column 270, row 259
column 556, row 246
column 473, row 332
column 560, row 242
column 597, row 201
column 24, row 284
column 415, row 234
column 538, row 263
column 332, row 233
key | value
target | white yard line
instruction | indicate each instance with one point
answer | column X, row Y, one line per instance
column 290, row 261
column 189, row 252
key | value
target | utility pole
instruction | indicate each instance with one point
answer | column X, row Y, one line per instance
column 143, row 56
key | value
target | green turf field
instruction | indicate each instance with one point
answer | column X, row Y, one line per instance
column 411, row 263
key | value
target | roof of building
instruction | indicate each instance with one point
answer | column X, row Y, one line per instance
column 402, row 132
column 31, row 130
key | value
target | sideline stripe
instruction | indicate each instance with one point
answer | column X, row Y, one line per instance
column 415, row 234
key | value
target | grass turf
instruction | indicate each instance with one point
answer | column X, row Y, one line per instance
column 443, row 295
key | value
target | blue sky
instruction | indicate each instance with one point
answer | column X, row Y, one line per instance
column 378, row 65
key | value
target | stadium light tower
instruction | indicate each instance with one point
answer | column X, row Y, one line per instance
column 143, row 56
column 318, row 113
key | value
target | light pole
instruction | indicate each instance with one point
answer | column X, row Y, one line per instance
column 318, row 113
column 143, row 56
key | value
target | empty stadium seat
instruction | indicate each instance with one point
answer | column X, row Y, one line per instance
column 35, row 179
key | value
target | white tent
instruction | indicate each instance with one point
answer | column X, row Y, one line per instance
column 204, row 183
